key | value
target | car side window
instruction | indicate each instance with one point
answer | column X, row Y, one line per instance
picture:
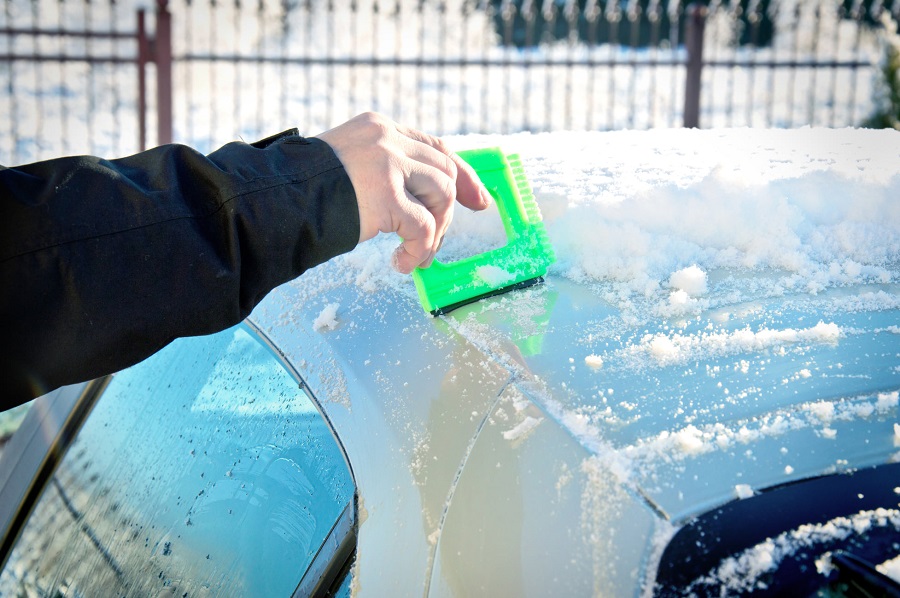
column 205, row 470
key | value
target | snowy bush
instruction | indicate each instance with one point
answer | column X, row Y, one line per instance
column 887, row 89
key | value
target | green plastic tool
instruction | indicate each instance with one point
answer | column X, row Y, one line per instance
column 522, row 262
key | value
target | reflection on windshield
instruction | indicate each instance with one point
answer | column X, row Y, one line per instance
column 203, row 471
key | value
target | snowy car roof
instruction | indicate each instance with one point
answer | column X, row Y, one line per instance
column 723, row 317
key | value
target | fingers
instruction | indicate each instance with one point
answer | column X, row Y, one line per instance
column 469, row 190
column 437, row 179
column 416, row 226
column 424, row 214
column 406, row 181
column 437, row 193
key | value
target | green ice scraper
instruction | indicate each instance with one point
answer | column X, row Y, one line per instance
column 522, row 262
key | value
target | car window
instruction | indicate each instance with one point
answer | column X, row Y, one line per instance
column 205, row 470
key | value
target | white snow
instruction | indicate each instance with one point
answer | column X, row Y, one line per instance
column 327, row 318
column 695, row 440
column 493, row 275
column 523, row 428
column 891, row 568
column 743, row 491
column 691, row 280
column 668, row 349
column 594, row 361
column 887, row 401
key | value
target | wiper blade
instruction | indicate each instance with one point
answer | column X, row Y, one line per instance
column 862, row 578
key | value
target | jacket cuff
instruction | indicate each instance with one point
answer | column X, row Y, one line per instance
column 312, row 209
column 264, row 143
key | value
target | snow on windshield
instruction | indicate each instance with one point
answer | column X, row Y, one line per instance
column 649, row 215
column 652, row 212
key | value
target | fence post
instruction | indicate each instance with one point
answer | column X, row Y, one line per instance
column 157, row 50
column 162, row 51
column 693, row 42
column 143, row 57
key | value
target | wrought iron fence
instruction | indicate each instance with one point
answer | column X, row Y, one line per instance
column 74, row 73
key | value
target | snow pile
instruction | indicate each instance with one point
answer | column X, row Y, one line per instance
column 694, row 440
column 327, row 318
column 690, row 281
column 650, row 214
column 652, row 219
column 675, row 348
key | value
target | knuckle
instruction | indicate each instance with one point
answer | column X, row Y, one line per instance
column 448, row 190
column 427, row 226
column 375, row 125
column 451, row 168
column 370, row 117
column 439, row 145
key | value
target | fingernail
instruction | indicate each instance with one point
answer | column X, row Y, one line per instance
column 486, row 198
column 395, row 261
column 440, row 244
column 427, row 261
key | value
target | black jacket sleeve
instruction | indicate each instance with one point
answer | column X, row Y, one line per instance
column 104, row 262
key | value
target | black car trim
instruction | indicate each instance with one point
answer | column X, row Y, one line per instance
column 336, row 551
column 863, row 577
column 39, row 445
column 332, row 557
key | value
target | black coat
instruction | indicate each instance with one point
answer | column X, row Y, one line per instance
column 104, row 262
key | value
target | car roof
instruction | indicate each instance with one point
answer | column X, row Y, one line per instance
column 672, row 386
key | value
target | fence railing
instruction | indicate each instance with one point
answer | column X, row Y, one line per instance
column 77, row 83
column 87, row 76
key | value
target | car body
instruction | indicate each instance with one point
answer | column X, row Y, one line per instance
column 575, row 438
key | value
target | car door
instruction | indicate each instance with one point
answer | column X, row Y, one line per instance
column 205, row 470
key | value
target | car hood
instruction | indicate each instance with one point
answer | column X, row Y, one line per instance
column 703, row 336
column 695, row 411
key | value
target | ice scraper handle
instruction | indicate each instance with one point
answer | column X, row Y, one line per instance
column 521, row 262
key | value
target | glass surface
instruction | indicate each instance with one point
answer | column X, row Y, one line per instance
column 203, row 471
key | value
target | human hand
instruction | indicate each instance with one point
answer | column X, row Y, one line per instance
column 406, row 182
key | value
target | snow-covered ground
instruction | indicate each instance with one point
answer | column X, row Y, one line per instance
column 74, row 107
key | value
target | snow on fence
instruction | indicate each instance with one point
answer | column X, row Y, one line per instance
column 113, row 76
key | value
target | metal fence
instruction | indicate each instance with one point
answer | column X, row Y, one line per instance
column 86, row 76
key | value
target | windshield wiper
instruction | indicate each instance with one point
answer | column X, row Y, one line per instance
column 862, row 578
